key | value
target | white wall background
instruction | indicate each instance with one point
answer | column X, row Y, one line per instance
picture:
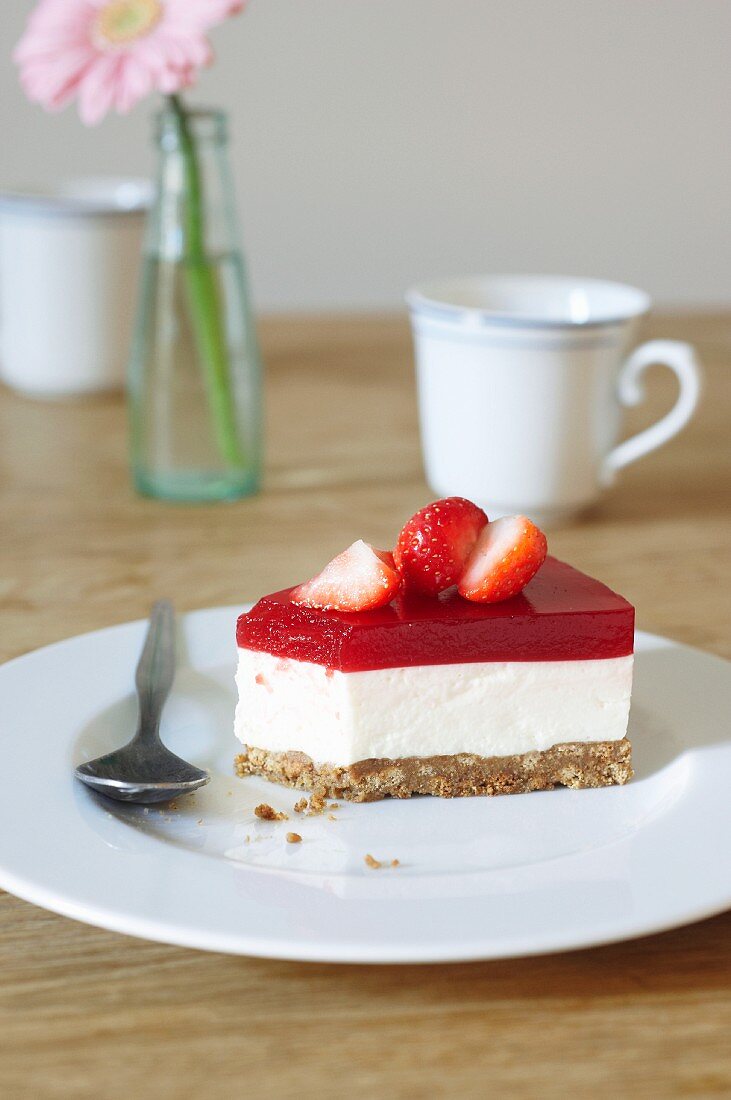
column 378, row 142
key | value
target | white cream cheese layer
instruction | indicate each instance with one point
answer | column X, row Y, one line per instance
column 491, row 709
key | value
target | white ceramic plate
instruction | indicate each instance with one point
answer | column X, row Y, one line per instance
column 478, row 877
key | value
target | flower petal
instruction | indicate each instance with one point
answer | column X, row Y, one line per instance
column 98, row 88
column 203, row 14
column 134, row 83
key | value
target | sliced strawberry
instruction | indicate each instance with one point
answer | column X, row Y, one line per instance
column 435, row 544
column 359, row 579
column 508, row 553
column 386, row 557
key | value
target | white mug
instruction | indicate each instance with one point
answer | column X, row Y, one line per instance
column 69, row 261
column 521, row 383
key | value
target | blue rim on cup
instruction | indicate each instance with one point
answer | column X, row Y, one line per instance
column 84, row 196
column 534, row 301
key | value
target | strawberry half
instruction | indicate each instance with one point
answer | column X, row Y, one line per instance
column 435, row 544
column 507, row 554
column 359, row 579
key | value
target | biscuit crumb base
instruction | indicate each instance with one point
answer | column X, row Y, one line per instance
column 573, row 764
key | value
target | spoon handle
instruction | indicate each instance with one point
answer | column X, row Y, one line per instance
column 156, row 669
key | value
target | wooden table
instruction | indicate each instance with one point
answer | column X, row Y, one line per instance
column 87, row 1013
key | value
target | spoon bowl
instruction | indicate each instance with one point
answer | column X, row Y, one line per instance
column 145, row 770
column 141, row 782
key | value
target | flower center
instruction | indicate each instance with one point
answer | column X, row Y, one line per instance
column 122, row 21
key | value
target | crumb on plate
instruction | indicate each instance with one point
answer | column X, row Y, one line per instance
column 317, row 802
column 293, row 838
column 371, row 861
column 268, row 813
column 312, row 807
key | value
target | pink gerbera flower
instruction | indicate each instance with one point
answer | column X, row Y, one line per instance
column 111, row 53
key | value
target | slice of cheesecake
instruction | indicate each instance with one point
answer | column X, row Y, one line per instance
column 439, row 695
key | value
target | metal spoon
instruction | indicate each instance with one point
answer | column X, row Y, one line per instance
column 144, row 770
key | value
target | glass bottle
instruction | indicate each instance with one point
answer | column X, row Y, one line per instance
column 195, row 371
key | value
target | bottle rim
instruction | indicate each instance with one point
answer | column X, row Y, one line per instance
column 206, row 124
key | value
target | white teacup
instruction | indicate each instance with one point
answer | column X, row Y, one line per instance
column 521, row 383
column 69, row 262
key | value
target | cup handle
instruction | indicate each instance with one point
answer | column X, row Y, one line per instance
column 682, row 359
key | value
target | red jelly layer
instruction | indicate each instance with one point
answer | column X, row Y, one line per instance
column 561, row 615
